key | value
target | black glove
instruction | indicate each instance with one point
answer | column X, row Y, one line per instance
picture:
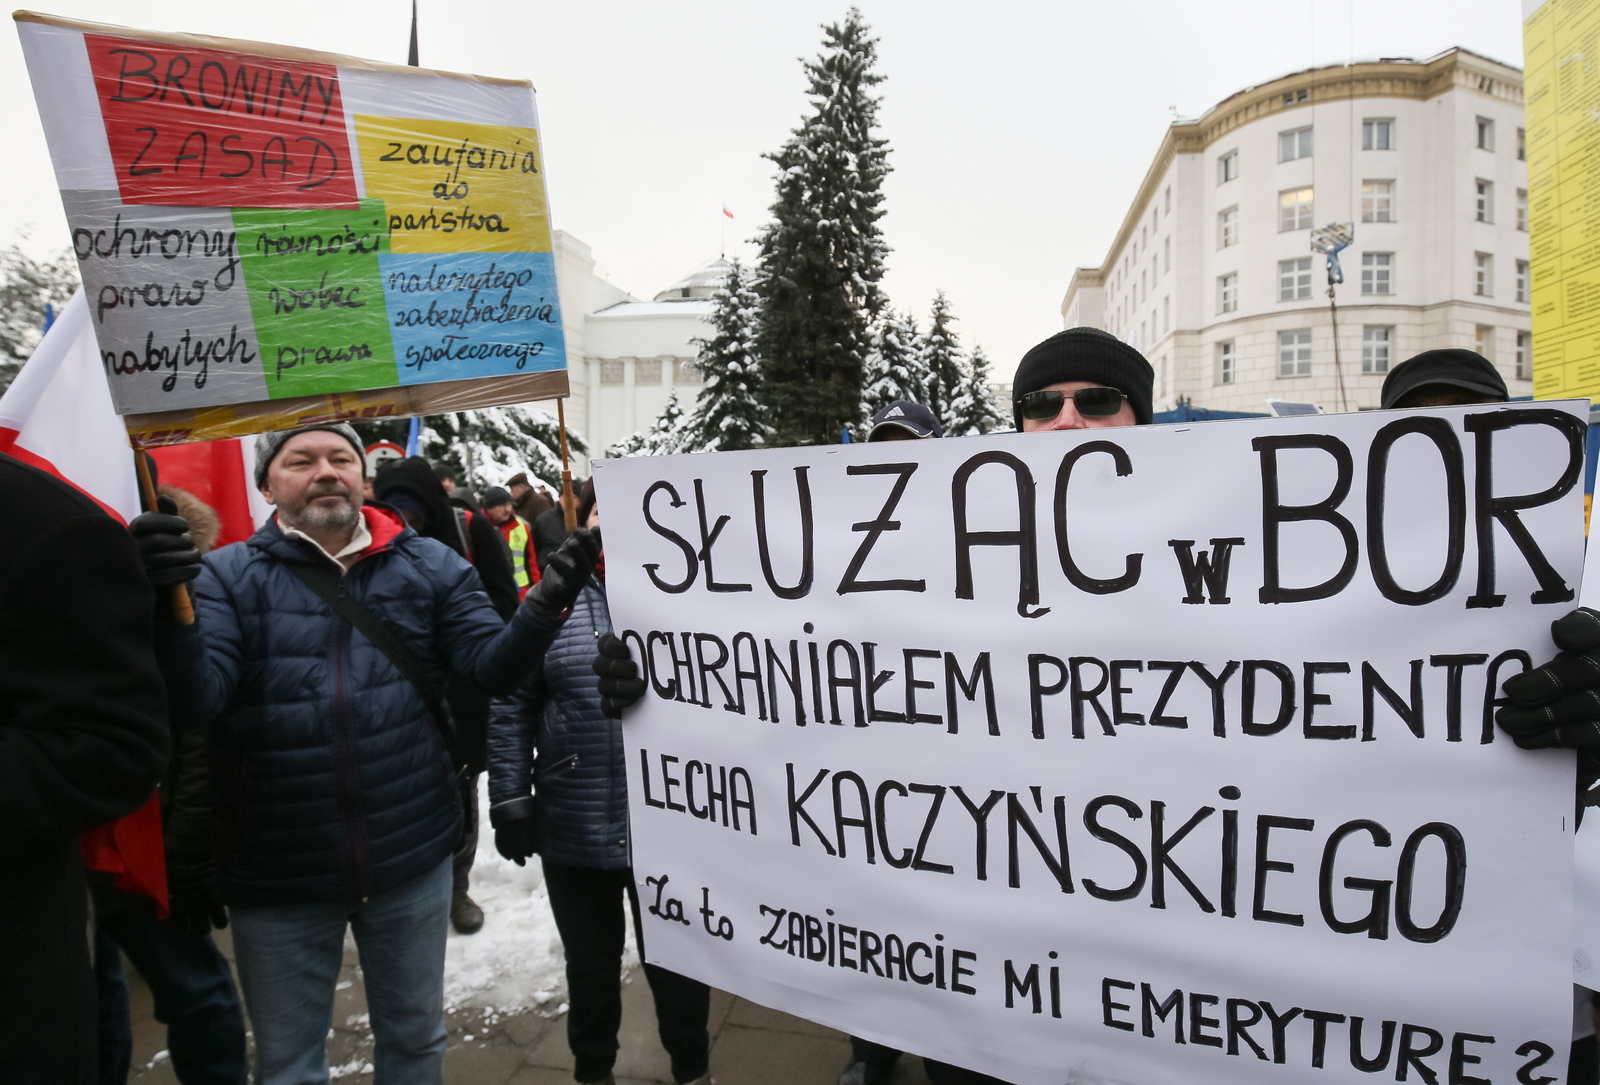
column 1558, row 704
column 620, row 684
column 192, row 899
column 165, row 548
column 517, row 840
column 567, row 571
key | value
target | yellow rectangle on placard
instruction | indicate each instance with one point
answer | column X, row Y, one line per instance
column 454, row 186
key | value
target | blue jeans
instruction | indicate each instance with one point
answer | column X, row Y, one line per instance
column 193, row 990
column 289, row 957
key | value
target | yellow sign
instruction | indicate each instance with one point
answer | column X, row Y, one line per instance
column 1562, row 89
column 454, row 186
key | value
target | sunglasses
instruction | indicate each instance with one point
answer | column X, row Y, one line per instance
column 1090, row 402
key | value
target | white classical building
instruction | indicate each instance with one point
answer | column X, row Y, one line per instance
column 1212, row 275
column 626, row 356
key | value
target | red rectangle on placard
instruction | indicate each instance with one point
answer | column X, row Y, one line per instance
column 207, row 128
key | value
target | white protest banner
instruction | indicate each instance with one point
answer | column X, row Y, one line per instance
column 1152, row 755
column 272, row 236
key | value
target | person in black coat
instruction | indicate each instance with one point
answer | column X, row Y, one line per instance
column 83, row 741
column 413, row 487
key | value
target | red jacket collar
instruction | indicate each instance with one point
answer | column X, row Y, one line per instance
column 384, row 525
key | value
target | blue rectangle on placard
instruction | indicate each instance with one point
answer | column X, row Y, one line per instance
column 455, row 316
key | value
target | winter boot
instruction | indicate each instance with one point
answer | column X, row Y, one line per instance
column 465, row 915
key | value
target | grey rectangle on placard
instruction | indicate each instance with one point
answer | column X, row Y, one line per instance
column 167, row 302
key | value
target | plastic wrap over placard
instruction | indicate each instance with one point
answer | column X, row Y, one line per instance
column 270, row 234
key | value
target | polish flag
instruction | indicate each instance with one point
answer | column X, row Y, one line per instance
column 57, row 416
column 727, row 212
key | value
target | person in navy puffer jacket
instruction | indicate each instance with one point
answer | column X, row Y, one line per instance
column 557, row 786
column 335, row 804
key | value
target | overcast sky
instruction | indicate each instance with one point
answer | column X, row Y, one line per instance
column 1019, row 131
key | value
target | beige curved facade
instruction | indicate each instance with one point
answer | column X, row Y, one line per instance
column 1212, row 275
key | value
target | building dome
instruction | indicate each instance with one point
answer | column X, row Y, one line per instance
column 699, row 285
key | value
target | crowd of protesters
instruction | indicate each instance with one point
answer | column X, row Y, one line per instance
column 315, row 736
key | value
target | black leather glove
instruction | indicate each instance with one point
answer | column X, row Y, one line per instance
column 192, row 899
column 567, row 571
column 165, row 547
column 517, row 840
column 620, row 684
column 1558, row 704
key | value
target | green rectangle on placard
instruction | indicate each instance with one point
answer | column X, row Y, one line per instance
column 317, row 298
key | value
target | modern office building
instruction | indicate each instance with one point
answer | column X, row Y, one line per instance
column 1212, row 275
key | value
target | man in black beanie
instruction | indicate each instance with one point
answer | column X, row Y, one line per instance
column 1082, row 378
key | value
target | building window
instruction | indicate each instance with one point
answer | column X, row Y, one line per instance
column 1294, row 209
column 1375, row 348
column 1294, row 279
column 1522, row 281
column 1227, row 167
column 684, row 371
column 1225, row 362
column 1228, row 292
column 1377, row 134
column 1228, row 227
column 647, row 371
column 1483, row 340
column 1377, row 201
column 1293, row 96
column 1294, row 353
column 1485, row 200
column 1522, row 145
column 611, row 371
column 1166, row 254
column 1483, row 275
column 1522, row 209
column 1294, row 144
column 1485, row 134
column 1524, row 356
column 1167, row 200
column 1377, row 270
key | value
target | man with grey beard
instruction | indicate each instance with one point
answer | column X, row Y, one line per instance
column 316, row 665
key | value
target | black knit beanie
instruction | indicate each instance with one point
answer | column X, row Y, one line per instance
column 1085, row 354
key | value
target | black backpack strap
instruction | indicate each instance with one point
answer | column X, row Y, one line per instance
column 324, row 582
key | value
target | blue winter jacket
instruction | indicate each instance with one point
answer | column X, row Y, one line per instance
column 550, row 741
column 331, row 780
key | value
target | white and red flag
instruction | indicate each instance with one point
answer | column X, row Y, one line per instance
column 57, row 416
column 727, row 211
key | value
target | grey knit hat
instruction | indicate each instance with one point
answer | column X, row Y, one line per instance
column 268, row 445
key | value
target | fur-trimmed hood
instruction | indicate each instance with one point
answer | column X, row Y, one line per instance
column 204, row 523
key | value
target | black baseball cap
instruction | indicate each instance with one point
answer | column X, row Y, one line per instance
column 1456, row 367
column 914, row 418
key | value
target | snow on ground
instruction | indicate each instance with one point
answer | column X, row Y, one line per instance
column 515, row 962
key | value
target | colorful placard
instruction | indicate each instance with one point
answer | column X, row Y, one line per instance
column 258, row 224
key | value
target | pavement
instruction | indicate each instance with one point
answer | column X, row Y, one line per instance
column 750, row 1044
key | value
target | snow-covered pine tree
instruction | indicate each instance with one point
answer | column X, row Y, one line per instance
column 665, row 437
column 974, row 410
column 822, row 257
column 895, row 369
column 27, row 285
column 490, row 445
column 728, row 415
column 942, row 355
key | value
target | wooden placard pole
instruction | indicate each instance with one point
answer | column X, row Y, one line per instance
column 182, row 609
column 569, row 500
